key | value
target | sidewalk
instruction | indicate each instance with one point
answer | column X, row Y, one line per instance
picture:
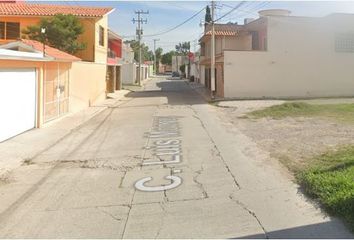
column 201, row 90
column 135, row 87
column 15, row 151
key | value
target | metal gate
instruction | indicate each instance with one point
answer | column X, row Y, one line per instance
column 56, row 91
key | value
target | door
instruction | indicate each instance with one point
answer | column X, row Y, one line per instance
column 118, row 81
column 17, row 101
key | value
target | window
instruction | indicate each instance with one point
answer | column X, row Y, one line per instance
column 2, row 30
column 12, row 30
column 255, row 40
column 344, row 42
column 9, row 30
column 101, row 36
column 202, row 49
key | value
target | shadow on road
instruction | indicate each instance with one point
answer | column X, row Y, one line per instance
column 326, row 230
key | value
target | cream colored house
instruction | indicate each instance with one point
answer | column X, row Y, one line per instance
column 282, row 56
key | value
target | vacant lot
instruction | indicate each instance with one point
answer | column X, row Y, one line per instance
column 314, row 139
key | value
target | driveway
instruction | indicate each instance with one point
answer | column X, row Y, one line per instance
column 159, row 163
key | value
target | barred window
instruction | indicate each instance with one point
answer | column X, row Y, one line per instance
column 344, row 42
column 12, row 30
column 2, row 30
column 9, row 30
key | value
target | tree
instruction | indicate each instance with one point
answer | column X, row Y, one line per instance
column 167, row 58
column 149, row 55
column 158, row 55
column 207, row 15
column 183, row 68
column 62, row 32
column 146, row 55
column 183, row 48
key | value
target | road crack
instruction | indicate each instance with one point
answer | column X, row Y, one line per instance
column 199, row 184
column 252, row 213
column 218, row 154
column 109, row 214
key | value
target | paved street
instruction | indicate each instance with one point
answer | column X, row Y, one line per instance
column 158, row 163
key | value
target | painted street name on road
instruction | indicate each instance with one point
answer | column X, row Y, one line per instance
column 165, row 136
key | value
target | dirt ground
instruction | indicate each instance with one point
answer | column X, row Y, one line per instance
column 293, row 141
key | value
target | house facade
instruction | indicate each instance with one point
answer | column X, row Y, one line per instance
column 14, row 17
column 34, row 87
column 87, row 77
column 282, row 56
column 113, row 78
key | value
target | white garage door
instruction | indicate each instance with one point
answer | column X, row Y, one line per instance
column 17, row 101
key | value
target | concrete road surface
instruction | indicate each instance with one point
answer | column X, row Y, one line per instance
column 158, row 164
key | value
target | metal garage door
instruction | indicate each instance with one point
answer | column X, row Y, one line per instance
column 17, row 101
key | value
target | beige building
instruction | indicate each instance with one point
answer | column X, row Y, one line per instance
column 282, row 56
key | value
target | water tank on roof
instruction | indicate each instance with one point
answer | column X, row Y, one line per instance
column 274, row 12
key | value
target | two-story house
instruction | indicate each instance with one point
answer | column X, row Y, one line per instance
column 282, row 56
column 16, row 16
column 87, row 77
column 63, row 83
column 114, row 62
column 228, row 37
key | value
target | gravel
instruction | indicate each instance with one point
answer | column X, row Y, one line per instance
column 294, row 141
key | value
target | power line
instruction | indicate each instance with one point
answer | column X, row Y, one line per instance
column 235, row 8
column 175, row 27
column 249, row 11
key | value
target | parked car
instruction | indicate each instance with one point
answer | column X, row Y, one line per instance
column 175, row 74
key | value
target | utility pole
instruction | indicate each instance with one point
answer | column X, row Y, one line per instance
column 155, row 40
column 139, row 33
column 212, row 56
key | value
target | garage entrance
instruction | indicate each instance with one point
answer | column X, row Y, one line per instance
column 17, row 101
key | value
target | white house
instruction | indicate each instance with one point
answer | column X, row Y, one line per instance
column 282, row 56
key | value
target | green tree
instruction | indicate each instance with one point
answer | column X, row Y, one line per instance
column 207, row 15
column 149, row 55
column 183, row 48
column 158, row 54
column 167, row 58
column 61, row 32
column 146, row 54
column 183, row 68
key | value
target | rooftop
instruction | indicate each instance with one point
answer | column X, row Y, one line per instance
column 229, row 29
column 37, row 47
column 29, row 9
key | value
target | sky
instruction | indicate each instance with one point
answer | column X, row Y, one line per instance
column 164, row 15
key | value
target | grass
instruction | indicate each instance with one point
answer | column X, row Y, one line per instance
column 340, row 112
column 330, row 179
